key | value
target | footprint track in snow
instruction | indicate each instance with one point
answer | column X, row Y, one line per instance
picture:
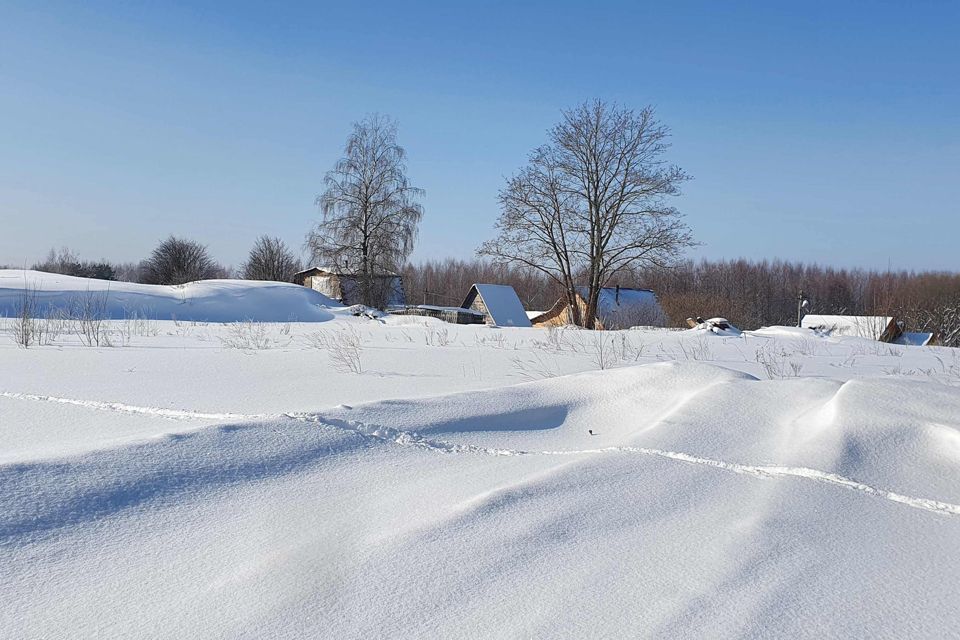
column 408, row 438
column 119, row 407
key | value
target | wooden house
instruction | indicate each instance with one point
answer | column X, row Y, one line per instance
column 498, row 303
column 453, row 315
column 617, row 308
column 346, row 287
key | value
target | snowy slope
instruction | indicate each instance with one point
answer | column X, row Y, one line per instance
column 774, row 484
column 503, row 517
column 205, row 301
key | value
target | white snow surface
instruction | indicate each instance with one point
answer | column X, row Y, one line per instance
column 773, row 484
column 204, row 301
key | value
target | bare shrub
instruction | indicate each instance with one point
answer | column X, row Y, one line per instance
column 535, row 366
column 775, row 362
column 179, row 261
column 247, row 336
column 270, row 259
column 496, row 340
column 556, row 341
column 344, row 347
column 696, row 350
column 601, row 346
column 88, row 315
column 632, row 351
column 138, row 323
column 27, row 329
column 437, row 336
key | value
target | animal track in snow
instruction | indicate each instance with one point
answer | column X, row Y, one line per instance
column 408, row 438
column 119, row 407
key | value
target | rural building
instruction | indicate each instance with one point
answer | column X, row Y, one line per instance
column 345, row 287
column 882, row 328
column 453, row 315
column 617, row 308
column 499, row 304
column 917, row 339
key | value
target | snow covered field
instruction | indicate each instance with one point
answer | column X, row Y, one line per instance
column 356, row 478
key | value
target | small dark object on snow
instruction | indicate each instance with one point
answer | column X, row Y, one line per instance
column 590, row 431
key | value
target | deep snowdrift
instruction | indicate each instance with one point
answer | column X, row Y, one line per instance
column 707, row 504
column 205, row 301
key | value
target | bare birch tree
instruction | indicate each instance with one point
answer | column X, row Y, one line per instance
column 270, row 259
column 370, row 212
column 592, row 202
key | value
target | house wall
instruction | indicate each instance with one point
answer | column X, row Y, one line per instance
column 328, row 285
column 560, row 316
column 451, row 315
column 552, row 318
column 478, row 305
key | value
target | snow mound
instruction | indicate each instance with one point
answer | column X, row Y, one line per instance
column 204, row 301
column 666, row 500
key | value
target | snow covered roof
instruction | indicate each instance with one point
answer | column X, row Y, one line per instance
column 870, row 327
column 502, row 303
column 434, row 307
column 622, row 307
column 341, row 272
column 914, row 339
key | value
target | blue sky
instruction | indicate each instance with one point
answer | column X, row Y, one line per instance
column 825, row 132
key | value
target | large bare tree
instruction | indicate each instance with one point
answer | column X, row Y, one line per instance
column 593, row 202
column 370, row 212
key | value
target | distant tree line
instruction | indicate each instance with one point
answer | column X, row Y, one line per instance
column 65, row 262
column 751, row 294
column 446, row 282
column 178, row 261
